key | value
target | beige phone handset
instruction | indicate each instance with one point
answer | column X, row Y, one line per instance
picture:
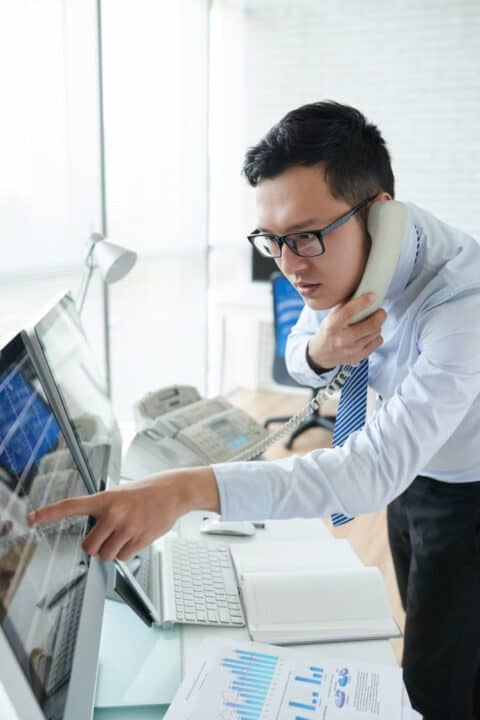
column 386, row 227
column 155, row 404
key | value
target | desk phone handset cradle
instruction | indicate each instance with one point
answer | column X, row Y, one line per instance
column 386, row 228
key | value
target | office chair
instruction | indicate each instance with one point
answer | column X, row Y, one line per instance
column 287, row 306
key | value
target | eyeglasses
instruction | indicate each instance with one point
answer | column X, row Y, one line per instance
column 304, row 243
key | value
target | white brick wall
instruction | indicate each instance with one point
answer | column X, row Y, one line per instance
column 412, row 66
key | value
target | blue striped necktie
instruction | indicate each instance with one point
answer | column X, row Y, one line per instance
column 351, row 413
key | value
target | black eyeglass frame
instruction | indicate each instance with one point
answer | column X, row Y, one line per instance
column 289, row 238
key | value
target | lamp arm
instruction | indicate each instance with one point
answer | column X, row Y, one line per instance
column 87, row 276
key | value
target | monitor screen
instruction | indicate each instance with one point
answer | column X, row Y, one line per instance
column 82, row 388
column 43, row 569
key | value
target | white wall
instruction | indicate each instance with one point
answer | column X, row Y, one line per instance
column 50, row 185
column 155, row 108
column 411, row 67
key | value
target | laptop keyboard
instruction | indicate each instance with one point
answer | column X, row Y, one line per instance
column 205, row 585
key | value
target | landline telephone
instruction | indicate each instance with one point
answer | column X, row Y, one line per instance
column 196, row 431
column 199, row 431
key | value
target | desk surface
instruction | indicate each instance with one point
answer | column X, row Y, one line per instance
column 195, row 642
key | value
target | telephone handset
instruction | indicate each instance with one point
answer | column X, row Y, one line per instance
column 386, row 224
column 386, row 228
column 158, row 403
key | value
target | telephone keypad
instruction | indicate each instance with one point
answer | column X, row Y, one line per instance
column 221, row 437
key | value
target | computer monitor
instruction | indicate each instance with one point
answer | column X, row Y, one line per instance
column 51, row 592
column 78, row 390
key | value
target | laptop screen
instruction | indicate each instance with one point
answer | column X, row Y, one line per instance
column 83, row 390
column 43, row 570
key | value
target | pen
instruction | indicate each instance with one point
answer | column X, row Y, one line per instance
column 50, row 601
column 79, row 574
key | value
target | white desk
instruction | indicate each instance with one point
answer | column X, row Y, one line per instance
column 197, row 641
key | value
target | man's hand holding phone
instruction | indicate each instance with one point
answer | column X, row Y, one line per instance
column 130, row 517
column 338, row 342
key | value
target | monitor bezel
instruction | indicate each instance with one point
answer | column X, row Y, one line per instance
column 58, row 404
column 80, row 699
column 80, row 702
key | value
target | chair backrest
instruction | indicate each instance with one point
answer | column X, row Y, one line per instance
column 287, row 306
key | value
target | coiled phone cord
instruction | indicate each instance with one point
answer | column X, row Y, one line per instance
column 323, row 394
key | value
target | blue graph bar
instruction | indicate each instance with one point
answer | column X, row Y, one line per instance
column 304, row 706
column 315, row 669
column 245, row 662
column 249, row 671
column 246, row 667
column 254, row 655
column 245, row 710
column 299, row 678
column 253, row 694
column 264, row 664
column 262, row 692
column 251, row 677
column 253, row 703
column 249, row 685
column 262, row 682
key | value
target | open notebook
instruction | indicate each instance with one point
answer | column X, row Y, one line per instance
column 305, row 591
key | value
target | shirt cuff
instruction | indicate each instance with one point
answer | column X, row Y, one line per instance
column 312, row 365
column 321, row 380
column 244, row 494
column 300, row 369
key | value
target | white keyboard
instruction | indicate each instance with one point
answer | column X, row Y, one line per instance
column 64, row 640
column 204, row 583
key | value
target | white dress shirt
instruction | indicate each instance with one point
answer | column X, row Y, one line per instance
column 426, row 374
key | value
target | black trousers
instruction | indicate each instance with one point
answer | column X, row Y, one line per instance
column 434, row 534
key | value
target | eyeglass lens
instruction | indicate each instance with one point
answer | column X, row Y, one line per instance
column 304, row 244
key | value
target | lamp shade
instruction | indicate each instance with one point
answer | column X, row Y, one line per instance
column 113, row 261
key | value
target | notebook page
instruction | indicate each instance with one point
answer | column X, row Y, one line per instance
column 304, row 555
column 356, row 593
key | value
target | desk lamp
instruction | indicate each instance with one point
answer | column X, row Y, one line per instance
column 114, row 263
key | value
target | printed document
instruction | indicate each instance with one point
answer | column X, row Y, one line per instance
column 256, row 681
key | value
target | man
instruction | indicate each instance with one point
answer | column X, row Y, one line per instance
column 418, row 453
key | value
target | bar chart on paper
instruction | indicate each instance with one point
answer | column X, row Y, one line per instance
column 254, row 685
column 257, row 682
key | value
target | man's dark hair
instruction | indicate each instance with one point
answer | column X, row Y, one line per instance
column 356, row 159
